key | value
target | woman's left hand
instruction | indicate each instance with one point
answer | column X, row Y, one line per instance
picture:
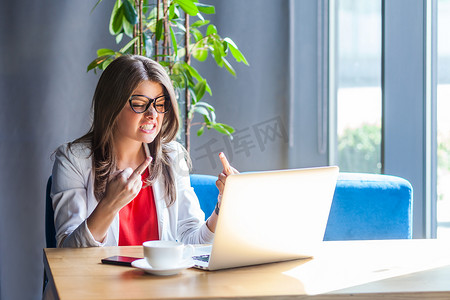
column 220, row 183
column 227, row 170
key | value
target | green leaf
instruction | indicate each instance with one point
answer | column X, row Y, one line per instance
column 194, row 73
column 181, row 52
column 228, row 66
column 199, row 15
column 174, row 12
column 181, row 26
column 130, row 12
column 196, row 33
column 201, row 110
column 188, row 6
column 207, row 122
column 115, row 23
column 210, row 119
column 127, row 27
column 174, row 41
column 96, row 62
column 104, row 51
column 128, row 45
column 219, row 127
column 151, row 25
column 106, row 63
column 217, row 53
column 219, row 45
column 225, row 47
column 177, row 13
column 119, row 38
column 159, row 30
column 235, row 51
column 211, row 30
column 200, row 89
column 199, row 23
column 200, row 54
column 206, row 9
column 145, row 8
column 207, row 105
column 213, row 116
column 227, row 127
column 200, row 131
column 152, row 14
column 193, row 100
column 171, row 11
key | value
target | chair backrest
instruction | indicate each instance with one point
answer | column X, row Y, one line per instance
column 206, row 190
column 370, row 207
column 50, row 234
column 365, row 207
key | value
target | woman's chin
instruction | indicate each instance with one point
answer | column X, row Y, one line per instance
column 148, row 138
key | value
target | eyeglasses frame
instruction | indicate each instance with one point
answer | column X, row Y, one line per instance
column 150, row 102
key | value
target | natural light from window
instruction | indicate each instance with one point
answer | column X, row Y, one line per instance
column 359, row 104
column 443, row 121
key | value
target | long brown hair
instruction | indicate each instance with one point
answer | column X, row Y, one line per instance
column 114, row 88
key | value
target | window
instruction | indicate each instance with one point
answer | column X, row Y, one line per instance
column 443, row 121
column 358, row 84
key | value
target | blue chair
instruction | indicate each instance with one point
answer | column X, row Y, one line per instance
column 207, row 192
column 204, row 187
column 365, row 207
column 50, row 233
column 370, row 207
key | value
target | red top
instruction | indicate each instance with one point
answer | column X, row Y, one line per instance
column 138, row 219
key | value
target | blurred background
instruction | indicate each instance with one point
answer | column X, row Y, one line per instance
column 361, row 84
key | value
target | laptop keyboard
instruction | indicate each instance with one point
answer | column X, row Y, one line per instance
column 204, row 258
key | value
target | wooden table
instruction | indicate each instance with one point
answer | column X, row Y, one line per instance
column 397, row 269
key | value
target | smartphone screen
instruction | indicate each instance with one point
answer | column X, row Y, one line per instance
column 119, row 260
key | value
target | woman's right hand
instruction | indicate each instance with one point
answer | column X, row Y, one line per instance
column 125, row 185
column 120, row 190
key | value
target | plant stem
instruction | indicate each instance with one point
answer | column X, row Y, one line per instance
column 135, row 33
column 158, row 2
column 187, row 59
column 141, row 33
column 166, row 30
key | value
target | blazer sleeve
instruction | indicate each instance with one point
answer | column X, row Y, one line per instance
column 69, row 198
column 192, row 227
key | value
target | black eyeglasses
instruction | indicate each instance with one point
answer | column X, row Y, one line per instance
column 140, row 104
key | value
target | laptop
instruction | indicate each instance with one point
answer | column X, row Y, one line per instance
column 269, row 217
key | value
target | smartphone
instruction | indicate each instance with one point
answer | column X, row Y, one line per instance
column 119, row 260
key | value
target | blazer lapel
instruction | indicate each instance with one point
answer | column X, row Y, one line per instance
column 160, row 201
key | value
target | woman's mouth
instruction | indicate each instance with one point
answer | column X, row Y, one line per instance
column 147, row 128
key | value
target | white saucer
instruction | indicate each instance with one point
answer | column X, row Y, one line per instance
column 143, row 265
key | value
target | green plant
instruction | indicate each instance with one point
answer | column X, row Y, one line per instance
column 359, row 149
column 162, row 30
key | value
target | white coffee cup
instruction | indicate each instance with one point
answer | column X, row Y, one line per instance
column 166, row 254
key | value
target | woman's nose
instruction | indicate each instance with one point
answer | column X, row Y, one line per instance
column 151, row 112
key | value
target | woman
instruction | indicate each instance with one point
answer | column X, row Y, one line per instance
column 126, row 181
